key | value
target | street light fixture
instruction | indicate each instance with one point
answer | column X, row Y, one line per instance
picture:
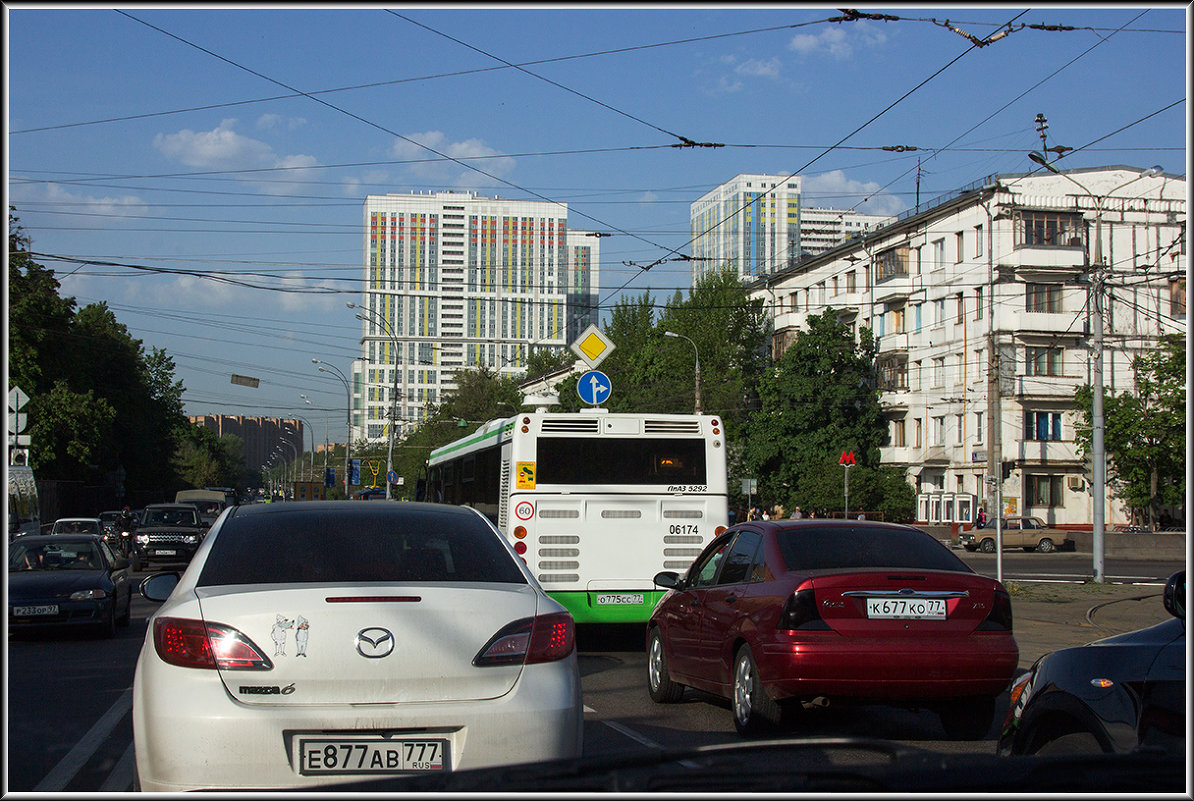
column 307, row 401
column 1098, row 454
column 385, row 326
column 698, row 365
column 324, row 368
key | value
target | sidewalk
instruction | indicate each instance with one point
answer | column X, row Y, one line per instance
column 1048, row 617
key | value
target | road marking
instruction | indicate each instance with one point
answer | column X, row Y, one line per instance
column 120, row 780
column 57, row 779
column 642, row 740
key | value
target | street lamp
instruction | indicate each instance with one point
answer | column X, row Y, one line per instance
column 385, row 326
column 311, row 429
column 1098, row 455
column 307, row 401
column 294, row 450
column 698, row 365
column 324, row 368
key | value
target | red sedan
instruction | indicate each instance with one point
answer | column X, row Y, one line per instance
column 777, row 615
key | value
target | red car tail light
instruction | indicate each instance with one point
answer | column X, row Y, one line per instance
column 1000, row 616
column 800, row 613
column 195, row 644
column 545, row 638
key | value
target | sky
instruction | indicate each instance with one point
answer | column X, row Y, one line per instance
column 203, row 170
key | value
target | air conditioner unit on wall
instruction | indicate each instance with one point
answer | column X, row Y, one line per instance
column 1075, row 482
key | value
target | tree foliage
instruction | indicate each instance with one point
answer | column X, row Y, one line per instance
column 819, row 401
column 1144, row 435
column 99, row 404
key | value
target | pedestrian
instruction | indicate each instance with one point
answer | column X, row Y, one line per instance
column 796, row 514
column 812, row 513
column 766, row 515
column 981, row 519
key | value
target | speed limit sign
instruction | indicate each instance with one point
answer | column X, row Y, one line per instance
column 524, row 510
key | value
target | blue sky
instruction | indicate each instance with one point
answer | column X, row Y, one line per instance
column 184, row 151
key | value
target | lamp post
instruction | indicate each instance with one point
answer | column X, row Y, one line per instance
column 698, row 365
column 294, row 462
column 307, row 401
column 385, row 326
column 324, row 368
column 311, row 429
column 1097, row 423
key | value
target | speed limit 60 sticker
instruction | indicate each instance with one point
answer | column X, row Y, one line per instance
column 524, row 510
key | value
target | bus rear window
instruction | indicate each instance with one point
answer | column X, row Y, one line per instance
column 611, row 460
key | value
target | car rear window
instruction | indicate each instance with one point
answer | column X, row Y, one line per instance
column 830, row 547
column 345, row 545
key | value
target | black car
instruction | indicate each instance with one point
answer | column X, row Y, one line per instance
column 1116, row 695
column 167, row 532
column 67, row 580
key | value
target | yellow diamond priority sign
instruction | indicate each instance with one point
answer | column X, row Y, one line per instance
column 593, row 346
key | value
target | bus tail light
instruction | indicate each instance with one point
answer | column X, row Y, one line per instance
column 717, row 531
column 520, row 532
column 520, row 548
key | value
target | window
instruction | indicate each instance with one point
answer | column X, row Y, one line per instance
column 960, row 250
column 978, row 240
column 1042, row 426
column 897, row 434
column 891, row 263
column 916, row 316
column 938, row 376
column 960, row 300
column 978, row 303
column 892, row 372
column 1177, row 298
column 835, row 288
column 917, row 432
column 1042, row 361
column 938, row 254
column 959, row 427
column 916, row 376
column 1045, row 491
column 937, row 432
column 852, row 281
column 1050, row 229
column 978, row 427
column 741, row 556
column 1042, row 298
column 897, row 320
column 939, row 309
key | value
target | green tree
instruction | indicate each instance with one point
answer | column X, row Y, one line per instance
column 1144, row 436
column 819, row 400
column 543, row 361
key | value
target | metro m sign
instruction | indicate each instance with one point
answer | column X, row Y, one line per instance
column 847, row 458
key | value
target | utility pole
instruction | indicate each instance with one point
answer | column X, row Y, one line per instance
column 994, row 405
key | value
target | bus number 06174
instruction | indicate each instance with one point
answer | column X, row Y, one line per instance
column 684, row 528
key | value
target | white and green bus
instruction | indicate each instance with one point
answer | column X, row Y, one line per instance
column 596, row 503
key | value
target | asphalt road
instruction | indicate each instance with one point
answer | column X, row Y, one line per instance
column 69, row 699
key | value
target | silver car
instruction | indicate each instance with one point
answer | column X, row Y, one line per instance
column 323, row 642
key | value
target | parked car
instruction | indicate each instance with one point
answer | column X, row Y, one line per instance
column 78, row 525
column 1029, row 533
column 1115, row 695
column 67, row 580
column 317, row 643
column 168, row 532
column 783, row 614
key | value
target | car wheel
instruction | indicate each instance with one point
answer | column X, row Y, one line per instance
column 661, row 687
column 1072, row 744
column 987, row 546
column 127, row 618
column 1046, row 545
column 967, row 718
column 754, row 711
column 108, row 627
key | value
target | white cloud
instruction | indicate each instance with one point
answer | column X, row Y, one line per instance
column 759, row 69
column 431, row 167
column 222, row 148
column 834, row 190
column 648, row 197
column 268, row 122
column 88, row 204
column 837, row 42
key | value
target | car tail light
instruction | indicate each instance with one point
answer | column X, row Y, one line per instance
column 193, row 643
column 800, row 613
column 1000, row 616
column 545, row 638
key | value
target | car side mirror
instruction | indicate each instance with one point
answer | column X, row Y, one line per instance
column 159, row 586
column 668, row 580
column 1174, row 596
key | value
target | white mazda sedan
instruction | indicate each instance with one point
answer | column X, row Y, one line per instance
column 328, row 642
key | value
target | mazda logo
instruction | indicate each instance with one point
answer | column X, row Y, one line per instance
column 374, row 643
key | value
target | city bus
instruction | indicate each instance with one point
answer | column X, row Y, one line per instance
column 596, row 503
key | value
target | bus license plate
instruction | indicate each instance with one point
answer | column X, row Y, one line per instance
column 34, row 611
column 620, row 599
column 906, row 608
column 328, row 755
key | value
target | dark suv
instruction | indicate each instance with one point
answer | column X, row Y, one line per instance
column 168, row 532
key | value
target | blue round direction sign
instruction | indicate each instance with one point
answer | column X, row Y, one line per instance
column 594, row 387
column 392, row 477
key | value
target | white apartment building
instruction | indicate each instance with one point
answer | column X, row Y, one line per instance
column 456, row 281
column 758, row 223
column 1003, row 265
